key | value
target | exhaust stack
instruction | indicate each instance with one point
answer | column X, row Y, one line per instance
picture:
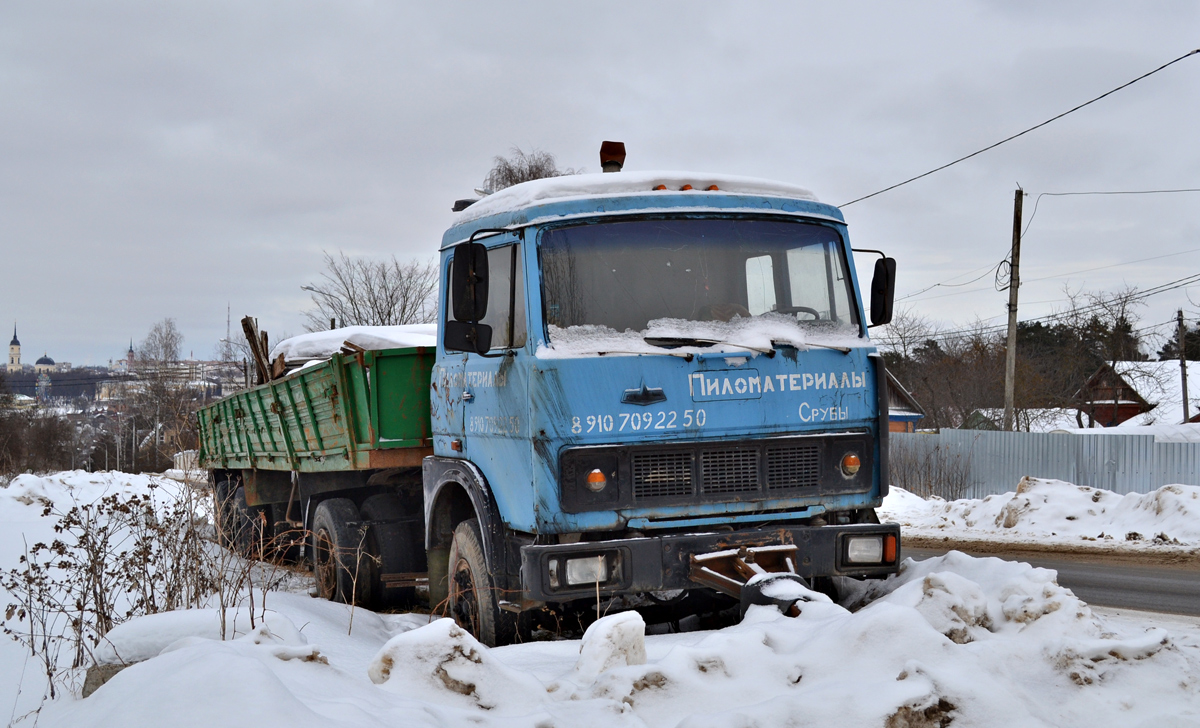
column 612, row 156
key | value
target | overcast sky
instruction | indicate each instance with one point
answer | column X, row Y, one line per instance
column 165, row 159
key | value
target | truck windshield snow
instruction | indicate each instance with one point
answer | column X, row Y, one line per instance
column 622, row 276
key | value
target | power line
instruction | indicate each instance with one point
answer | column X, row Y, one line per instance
column 1050, row 277
column 1023, row 133
column 946, row 284
column 1038, row 201
column 1084, row 310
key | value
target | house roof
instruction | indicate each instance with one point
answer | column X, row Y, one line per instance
column 1160, row 383
column 900, row 401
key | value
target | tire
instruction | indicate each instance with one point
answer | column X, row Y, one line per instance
column 339, row 553
column 248, row 538
column 223, row 513
column 394, row 549
column 474, row 600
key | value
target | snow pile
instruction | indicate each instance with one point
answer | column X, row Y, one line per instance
column 610, row 642
column 148, row 636
column 70, row 488
column 738, row 336
column 1056, row 512
column 951, row 639
column 1186, row 432
column 323, row 344
column 445, row 660
column 583, row 186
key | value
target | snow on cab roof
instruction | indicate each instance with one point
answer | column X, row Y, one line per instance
column 582, row 186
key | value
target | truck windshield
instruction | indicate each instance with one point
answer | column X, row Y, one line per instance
column 623, row 275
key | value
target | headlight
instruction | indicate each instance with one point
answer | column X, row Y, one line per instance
column 587, row 570
column 864, row 550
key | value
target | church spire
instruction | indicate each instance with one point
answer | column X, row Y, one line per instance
column 14, row 342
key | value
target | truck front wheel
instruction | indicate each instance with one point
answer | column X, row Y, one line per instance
column 474, row 599
column 339, row 552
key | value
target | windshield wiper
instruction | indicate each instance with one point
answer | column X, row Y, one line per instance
column 669, row 342
column 685, row 356
column 843, row 349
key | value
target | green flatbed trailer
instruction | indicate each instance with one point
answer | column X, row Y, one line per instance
column 366, row 411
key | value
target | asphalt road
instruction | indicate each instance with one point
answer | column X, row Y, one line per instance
column 1171, row 589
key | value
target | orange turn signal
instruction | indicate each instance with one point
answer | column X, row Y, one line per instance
column 889, row 549
column 596, row 481
column 850, row 464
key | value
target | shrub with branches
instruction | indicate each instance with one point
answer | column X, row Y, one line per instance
column 120, row 557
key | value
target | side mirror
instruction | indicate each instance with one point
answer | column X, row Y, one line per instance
column 883, row 291
column 470, row 337
column 469, row 282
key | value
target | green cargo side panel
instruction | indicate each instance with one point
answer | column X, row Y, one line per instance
column 356, row 411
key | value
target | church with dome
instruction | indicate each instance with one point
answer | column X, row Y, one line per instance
column 46, row 378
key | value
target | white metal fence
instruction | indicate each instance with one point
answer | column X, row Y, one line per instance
column 975, row 463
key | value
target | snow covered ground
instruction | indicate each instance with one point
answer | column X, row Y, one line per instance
column 973, row 641
column 1056, row 513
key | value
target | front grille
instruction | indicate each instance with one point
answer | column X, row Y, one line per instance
column 715, row 471
column 662, row 474
column 732, row 470
column 797, row 466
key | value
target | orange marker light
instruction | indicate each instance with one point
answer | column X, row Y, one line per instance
column 889, row 549
column 850, row 463
column 713, row 188
column 685, row 188
column 596, row 481
column 661, row 187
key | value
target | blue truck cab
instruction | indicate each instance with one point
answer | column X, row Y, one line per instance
column 651, row 386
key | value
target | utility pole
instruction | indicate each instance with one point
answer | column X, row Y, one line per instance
column 1014, row 282
column 1183, row 364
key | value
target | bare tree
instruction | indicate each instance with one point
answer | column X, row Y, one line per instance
column 162, row 345
column 907, row 331
column 161, row 403
column 365, row 292
column 520, row 167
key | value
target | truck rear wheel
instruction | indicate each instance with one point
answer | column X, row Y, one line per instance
column 223, row 511
column 474, row 599
column 250, row 536
column 339, row 552
column 393, row 547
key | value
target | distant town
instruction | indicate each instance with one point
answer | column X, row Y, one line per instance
column 48, row 382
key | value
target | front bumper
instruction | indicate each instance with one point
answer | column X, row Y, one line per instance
column 659, row 563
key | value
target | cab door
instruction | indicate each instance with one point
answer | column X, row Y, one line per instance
column 495, row 394
column 447, row 383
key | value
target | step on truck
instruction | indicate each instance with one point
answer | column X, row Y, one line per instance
column 644, row 389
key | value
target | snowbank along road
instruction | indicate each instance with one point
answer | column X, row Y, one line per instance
column 951, row 640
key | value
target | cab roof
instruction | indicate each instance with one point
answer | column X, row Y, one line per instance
column 587, row 195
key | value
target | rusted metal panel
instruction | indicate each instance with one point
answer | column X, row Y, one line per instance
column 398, row 457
